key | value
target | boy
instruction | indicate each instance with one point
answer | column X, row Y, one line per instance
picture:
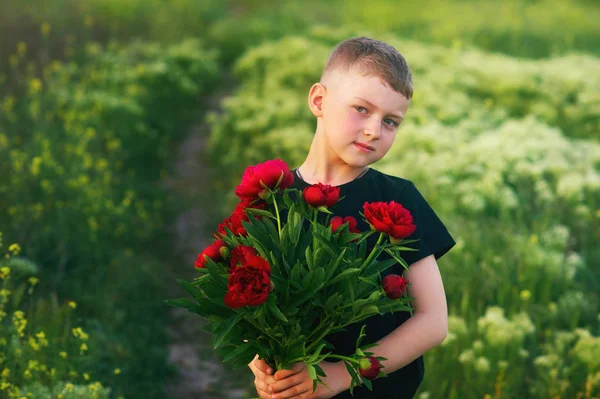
column 359, row 103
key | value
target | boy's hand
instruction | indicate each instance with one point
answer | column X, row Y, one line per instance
column 263, row 377
column 296, row 383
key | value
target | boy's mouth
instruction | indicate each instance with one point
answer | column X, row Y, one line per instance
column 364, row 147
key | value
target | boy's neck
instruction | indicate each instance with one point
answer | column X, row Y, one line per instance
column 322, row 166
column 314, row 171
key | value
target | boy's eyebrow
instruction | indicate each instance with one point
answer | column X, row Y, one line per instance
column 373, row 105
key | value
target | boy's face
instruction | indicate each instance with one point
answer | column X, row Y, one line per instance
column 360, row 117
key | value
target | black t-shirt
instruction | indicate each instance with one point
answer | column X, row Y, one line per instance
column 434, row 239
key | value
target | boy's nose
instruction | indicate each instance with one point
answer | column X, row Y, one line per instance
column 372, row 133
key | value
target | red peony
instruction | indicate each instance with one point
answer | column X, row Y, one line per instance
column 268, row 173
column 319, row 194
column 240, row 255
column 234, row 222
column 249, row 285
column 337, row 222
column 214, row 251
column 369, row 367
column 390, row 218
column 394, row 286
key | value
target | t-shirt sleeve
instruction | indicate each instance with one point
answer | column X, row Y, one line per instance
column 433, row 236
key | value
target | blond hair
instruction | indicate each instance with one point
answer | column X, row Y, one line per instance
column 374, row 58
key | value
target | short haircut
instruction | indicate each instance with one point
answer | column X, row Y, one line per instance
column 375, row 58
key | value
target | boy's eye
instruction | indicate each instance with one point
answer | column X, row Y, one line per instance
column 360, row 109
column 390, row 122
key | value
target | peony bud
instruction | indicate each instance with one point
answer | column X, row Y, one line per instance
column 264, row 194
column 394, row 286
column 321, row 195
column 369, row 367
column 213, row 251
column 225, row 252
column 337, row 222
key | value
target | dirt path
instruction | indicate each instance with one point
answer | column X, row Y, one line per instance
column 199, row 374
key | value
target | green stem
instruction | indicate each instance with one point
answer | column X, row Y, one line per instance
column 318, row 340
column 339, row 357
column 373, row 251
column 277, row 214
column 321, row 324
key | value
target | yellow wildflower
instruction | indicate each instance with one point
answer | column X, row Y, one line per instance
column 86, row 376
column 4, row 272
column 78, row 333
column 533, row 239
column 14, row 248
column 34, row 344
column 35, row 85
column 4, row 386
column 34, row 281
column 63, row 354
column 72, row 305
column 19, row 322
column 27, row 374
column 21, row 48
column 5, row 373
column 45, row 28
column 525, row 295
column 83, row 348
column 117, row 371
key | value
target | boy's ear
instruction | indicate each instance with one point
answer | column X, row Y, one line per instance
column 316, row 95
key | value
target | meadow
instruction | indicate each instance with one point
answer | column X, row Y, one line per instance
column 502, row 138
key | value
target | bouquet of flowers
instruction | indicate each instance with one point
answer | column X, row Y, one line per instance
column 282, row 274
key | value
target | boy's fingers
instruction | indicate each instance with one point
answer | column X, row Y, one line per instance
column 296, row 368
column 263, row 366
column 286, row 383
column 292, row 392
column 262, row 388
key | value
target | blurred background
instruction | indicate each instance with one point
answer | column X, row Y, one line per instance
column 124, row 125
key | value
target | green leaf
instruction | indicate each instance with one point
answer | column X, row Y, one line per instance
column 353, row 374
column 317, row 353
column 275, row 310
column 376, row 268
column 312, row 372
column 273, row 233
column 331, row 269
column 333, row 301
column 295, row 275
column 218, row 272
column 260, row 212
column 236, row 352
column 180, row 303
column 397, row 258
column 309, row 258
column 326, row 244
column 343, row 275
column 302, row 297
column 365, row 236
column 228, row 326
column 320, row 371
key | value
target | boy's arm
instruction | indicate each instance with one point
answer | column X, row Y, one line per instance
column 426, row 329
